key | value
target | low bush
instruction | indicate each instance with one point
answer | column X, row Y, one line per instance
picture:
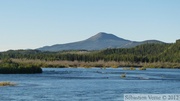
column 10, row 67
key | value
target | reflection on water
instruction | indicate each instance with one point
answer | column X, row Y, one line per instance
column 94, row 84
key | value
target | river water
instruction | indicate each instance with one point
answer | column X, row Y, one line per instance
column 93, row 84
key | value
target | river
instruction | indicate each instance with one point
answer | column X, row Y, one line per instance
column 93, row 84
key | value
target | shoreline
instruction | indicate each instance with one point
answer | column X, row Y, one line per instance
column 126, row 68
column 100, row 63
column 25, row 66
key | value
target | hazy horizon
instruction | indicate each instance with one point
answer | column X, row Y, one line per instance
column 33, row 24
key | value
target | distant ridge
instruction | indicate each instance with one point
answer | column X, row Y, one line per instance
column 99, row 41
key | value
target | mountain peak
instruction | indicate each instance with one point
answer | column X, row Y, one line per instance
column 99, row 41
column 103, row 36
column 102, row 33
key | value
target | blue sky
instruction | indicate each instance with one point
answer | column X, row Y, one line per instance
column 29, row 24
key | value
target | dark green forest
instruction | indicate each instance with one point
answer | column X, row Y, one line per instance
column 151, row 54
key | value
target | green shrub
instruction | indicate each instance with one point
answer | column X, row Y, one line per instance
column 10, row 67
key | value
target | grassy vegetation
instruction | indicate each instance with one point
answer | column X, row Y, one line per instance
column 26, row 66
column 5, row 83
column 62, row 64
column 100, row 63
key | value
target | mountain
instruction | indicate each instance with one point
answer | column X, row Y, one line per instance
column 99, row 41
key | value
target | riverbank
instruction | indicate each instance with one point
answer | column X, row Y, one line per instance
column 25, row 66
column 101, row 63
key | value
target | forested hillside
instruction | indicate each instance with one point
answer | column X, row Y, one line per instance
column 146, row 53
